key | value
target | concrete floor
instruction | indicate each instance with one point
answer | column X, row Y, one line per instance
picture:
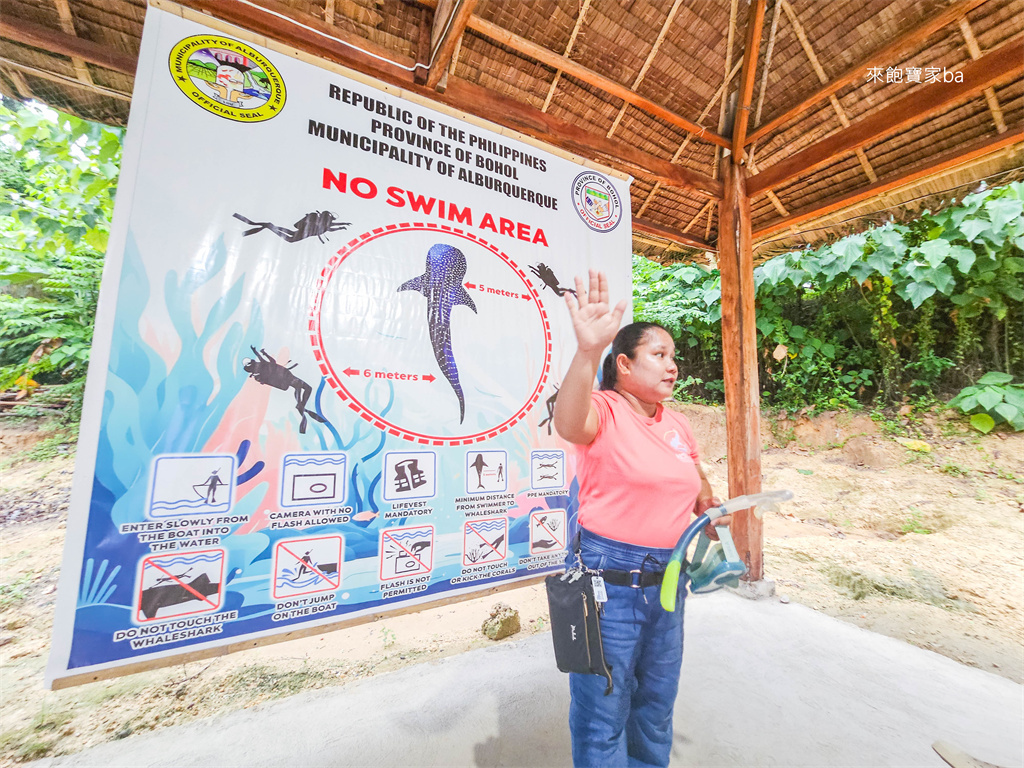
column 764, row 684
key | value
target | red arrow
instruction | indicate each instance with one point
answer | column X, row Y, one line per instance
column 351, row 372
column 430, row 378
column 471, row 285
column 527, row 297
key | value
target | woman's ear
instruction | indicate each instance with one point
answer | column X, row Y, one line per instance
column 622, row 362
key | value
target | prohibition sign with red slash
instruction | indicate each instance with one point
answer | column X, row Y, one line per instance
column 324, row 583
column 541, row 521
column 479, row 529
column 168, row 589
column 411, row 552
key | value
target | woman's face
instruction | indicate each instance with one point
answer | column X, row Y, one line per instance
column 652, row 374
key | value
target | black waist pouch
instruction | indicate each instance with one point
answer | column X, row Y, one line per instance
column 575, row 629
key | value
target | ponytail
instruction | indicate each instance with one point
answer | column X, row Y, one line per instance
column 609, row 372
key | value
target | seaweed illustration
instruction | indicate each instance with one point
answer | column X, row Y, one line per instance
column 95, row 590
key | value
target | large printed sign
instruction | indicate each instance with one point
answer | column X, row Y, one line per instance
column 330, row 340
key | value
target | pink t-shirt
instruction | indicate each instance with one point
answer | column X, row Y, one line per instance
column 638, row 478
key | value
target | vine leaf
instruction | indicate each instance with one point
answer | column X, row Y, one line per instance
column 974, row 227
column 917, row 292
column 983, row 422
column 1002, row 210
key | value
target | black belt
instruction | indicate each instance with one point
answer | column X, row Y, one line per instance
column 635, row 579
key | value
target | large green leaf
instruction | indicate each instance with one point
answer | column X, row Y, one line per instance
column 942, row 278
column 1010, row 413
column 891, row 238
column 1014, row 396
column 934, row 252
column 983, row 422
column 774, row 271
column 917, row 292
column 862, row 271
column 973, row 227
column 882, row 261
column 765, row 325
column 1014, row 264
column 1002, row 210
column 964, row 257
column 995, row 378
column 989, row 398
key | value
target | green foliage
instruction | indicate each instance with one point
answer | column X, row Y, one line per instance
column 14, row 592
column 914, row 524
column 895, row 312
column 58, row 175
column 993, row 400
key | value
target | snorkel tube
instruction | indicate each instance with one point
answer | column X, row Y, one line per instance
column 670, row 581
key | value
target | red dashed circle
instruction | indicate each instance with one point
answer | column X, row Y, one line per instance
column 366, row 413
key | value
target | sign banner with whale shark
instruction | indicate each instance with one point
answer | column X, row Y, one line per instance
column 330, row 338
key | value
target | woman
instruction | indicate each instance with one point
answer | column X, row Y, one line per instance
column 640, row 482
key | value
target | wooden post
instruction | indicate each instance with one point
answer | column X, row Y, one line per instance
column 739, row 361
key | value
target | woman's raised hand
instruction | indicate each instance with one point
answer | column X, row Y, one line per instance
column 594, row 322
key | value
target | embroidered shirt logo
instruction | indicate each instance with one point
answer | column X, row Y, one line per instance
column 677, row 444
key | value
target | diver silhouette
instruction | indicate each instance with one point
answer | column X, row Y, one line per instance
column 547, row 276
column 316, row 224
column 266, row 370
column 550, row 403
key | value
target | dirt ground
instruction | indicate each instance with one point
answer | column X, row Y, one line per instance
column 910, row 526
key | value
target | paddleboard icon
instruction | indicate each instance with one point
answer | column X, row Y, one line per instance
column 191, row 484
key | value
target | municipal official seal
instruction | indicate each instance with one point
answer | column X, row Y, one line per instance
column 228, row 78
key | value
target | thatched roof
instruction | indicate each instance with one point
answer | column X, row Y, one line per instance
column 639, row 85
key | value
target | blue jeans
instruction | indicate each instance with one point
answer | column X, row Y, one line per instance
column 643, row 645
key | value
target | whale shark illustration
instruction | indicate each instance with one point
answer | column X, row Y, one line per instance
column 441, row 284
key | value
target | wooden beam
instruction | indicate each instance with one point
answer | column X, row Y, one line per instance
column 990, row 94
column 885, row 55
column 572, row 68
column 672, row 234
column 755, row 23
column 52, row 41
column 768, row 60
column 308, row 33
column 419, row 74
column 1003, row 63
column 312, row 35
column 20, row 84
column 931, row 167
column 561, row 133
column 568, row 50
column 67, row 23
column 739, row 363
column 63, row 80
column 686, row 141
column 730, row 38
column 805, row 43
column 647, row 63
column 443, row 84
column 697, row 215
column 448, row 31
